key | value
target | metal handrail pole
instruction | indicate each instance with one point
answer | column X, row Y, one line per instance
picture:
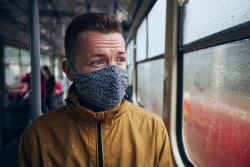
column 35, row 60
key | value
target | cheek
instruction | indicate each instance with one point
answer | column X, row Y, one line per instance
column 124, row 66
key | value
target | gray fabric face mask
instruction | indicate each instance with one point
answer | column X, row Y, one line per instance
column 104, row 88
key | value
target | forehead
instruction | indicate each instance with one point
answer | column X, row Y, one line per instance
column 99, row 39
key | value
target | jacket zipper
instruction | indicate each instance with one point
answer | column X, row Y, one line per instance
column 99, row 137
column 99, row 142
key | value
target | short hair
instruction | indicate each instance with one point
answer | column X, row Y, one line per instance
column 100, row 22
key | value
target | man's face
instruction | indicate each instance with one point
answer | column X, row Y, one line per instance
column 95, row 50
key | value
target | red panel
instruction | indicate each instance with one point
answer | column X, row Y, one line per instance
column 17, row 90
column 217, row 135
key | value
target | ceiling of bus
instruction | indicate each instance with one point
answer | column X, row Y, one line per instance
column 54, row 16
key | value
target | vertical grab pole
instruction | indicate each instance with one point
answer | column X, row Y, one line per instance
column 35, row 60
column 2, row 93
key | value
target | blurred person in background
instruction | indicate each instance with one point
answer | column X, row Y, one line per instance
column 50, row 85
column 26, row 78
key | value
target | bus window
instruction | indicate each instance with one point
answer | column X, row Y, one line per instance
column 150, row 49
column 130, row 61
column 11, row 60
column 156, row 34
column 215, row 90
column 45, row 60
column 150, row 85
column 203, row 18
column 141, row 41
column 216, row 105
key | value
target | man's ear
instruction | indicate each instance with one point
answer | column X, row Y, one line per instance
column 67, row 70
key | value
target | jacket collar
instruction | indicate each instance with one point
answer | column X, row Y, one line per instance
column 84, row 115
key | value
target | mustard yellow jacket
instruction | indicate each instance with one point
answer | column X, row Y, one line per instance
column 73, row 136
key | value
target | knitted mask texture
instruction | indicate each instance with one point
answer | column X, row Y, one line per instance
column 104, row 88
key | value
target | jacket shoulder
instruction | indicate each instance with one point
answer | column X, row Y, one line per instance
column 140, row 111
column 51, row 117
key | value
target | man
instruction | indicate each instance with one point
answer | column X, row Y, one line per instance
column 98, row 126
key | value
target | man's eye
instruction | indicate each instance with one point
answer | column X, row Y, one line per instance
column 121, row 59
column 98, row 62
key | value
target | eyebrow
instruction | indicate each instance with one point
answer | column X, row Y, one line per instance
column 122, row 53
column 101, row 55
column 97, row 55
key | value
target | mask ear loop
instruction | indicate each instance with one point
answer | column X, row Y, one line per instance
column 72, row 68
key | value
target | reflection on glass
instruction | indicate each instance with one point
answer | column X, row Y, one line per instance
column 156, row 34
column 216, row 105
column 141, row 42
column 203, row 18
column 150, row 85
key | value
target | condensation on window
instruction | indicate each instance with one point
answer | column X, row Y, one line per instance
column 202, row 18
column 216, row 105
column 150, row 85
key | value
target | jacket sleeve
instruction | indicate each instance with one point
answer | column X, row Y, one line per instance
column 24, row 151
column 164, row 150
column 29, row 153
